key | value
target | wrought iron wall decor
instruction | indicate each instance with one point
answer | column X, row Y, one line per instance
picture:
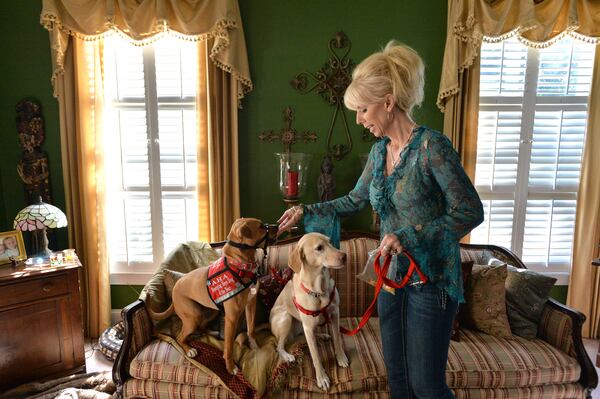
column 330, row 83
column 33, row 166
column 288, row 135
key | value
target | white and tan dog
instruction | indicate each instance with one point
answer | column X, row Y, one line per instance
column 312, row 299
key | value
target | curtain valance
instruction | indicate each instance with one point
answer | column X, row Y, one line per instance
column 536, row 23
column 143, row 20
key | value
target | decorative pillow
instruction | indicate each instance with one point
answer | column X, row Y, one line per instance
column 271, row 285
column 466, row 267
column 169, row 280
column 526, row 293
column 485, row 297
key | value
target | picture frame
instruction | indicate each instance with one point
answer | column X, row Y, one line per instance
column 12, row 245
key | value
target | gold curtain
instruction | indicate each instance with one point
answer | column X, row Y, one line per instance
column 218, row 187
column 80, row 108
column 143, row 20
column 76, row 31
column 461, row 118
column 584, row 284
column 536, row 24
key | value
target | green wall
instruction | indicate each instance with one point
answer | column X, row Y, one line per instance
column 26, row 69
column 283, row 38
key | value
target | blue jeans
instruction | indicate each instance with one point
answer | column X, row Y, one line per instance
column 416, row 325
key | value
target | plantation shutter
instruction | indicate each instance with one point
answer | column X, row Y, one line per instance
column 532, row 125
column 153, row 156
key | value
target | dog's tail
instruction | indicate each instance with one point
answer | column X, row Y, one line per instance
column 160, row 315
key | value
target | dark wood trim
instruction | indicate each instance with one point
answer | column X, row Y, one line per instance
column 507, row 252
column 120, row 371
column 589, row 375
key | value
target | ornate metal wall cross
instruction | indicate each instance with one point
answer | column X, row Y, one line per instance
column 330, row 83
column 288, row 135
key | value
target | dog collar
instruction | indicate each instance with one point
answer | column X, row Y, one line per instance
column 316, row 313
column 314, row 294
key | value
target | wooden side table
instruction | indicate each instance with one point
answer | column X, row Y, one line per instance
column 41, row 333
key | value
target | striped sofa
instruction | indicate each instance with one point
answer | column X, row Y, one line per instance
column 554, row 365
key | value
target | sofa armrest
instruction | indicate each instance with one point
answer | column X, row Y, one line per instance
column 561, row 326
column 138, row 332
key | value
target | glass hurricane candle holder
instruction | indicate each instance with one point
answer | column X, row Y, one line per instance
column 293, row 168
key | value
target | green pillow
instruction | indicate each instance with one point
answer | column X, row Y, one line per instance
column 485, row 298
column 526, row 293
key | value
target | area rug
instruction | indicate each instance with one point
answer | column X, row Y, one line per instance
column 98, row 385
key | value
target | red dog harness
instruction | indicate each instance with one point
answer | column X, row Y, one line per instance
column 225, row 279
column 315, row 313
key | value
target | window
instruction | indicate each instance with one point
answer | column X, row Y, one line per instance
column 150, row 150
column 532, row 125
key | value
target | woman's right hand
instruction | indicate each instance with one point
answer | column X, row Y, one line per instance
column 290, row 218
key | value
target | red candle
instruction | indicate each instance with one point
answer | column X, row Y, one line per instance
column 292, row 183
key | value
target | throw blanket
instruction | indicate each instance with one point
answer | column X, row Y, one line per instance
column 257, row 366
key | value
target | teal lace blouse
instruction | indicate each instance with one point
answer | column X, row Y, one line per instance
column 428, row 202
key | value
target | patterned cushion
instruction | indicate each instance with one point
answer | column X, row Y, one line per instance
column 151, row 389
column 366, row 372
column 526, row 294
column 162, row 362
column 482, row 361
column 485, row 298
column 555, row 391
column 513, row 367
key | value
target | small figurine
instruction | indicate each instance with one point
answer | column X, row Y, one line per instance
column 326, row 183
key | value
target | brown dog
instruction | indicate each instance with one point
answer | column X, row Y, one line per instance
column 194, row 288
column 312, row 299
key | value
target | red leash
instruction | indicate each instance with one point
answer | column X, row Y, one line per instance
column 382, row 279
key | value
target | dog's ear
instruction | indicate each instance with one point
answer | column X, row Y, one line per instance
column 245, row 231
column 296, row 259
column 239, row 230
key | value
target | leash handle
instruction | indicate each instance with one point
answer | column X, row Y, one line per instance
column 381, row 279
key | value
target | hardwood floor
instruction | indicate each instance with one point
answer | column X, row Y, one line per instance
column 94, row 359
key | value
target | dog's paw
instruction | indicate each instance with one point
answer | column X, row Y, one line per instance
column 342, row 359
column 324, row 336
column 231, row 367
column 285, row 356
column 323, row 380
column 192, row 352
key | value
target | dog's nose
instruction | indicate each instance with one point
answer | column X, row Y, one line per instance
column 343, row 257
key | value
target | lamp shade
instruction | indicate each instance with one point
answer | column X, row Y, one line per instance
column 39, row 216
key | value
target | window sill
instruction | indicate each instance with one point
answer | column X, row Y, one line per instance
column 130, row 278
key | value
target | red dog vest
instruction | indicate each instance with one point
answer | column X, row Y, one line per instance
column 224, row 280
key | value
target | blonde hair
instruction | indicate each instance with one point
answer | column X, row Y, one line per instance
column 396, row 70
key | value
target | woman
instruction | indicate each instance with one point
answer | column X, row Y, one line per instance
column 414, row 180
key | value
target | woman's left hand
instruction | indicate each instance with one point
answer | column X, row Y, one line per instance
column 390, row 245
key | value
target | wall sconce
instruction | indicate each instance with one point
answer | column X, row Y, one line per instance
column 293, row 167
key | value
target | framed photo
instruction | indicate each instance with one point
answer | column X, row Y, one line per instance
column 12, row 245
